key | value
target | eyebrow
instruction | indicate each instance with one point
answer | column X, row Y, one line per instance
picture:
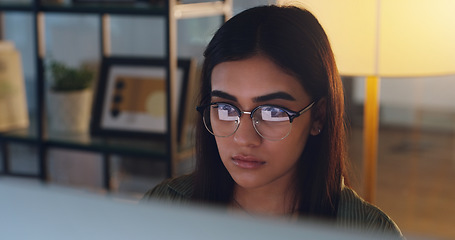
column 272, row 96
column 264, row 98
column 221, row 94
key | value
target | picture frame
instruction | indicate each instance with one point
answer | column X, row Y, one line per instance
column 130, row 99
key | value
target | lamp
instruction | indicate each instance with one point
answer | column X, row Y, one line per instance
column 386, row 38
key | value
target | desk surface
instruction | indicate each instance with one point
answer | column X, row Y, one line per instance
column 40, row 212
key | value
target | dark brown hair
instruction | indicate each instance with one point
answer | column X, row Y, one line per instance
column 293, row 39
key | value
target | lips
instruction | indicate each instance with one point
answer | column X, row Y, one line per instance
column 247, row 162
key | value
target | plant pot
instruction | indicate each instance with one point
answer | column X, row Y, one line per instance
column 69, row 111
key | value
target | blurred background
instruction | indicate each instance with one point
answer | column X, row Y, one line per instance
column 416, row 138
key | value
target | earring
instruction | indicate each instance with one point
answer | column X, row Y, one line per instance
column 315, row 134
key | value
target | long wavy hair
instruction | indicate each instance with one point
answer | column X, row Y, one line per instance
column 294, row 40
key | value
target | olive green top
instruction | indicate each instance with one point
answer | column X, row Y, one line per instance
column 353, row 212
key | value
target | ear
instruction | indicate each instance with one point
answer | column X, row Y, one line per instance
column 318, row 116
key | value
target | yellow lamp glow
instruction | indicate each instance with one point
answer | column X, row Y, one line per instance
column 386, row 38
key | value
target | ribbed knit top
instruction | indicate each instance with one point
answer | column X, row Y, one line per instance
column 353, row 212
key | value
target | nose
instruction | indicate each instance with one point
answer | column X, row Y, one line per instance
column 246, row 134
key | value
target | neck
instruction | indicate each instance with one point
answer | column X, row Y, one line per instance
column 264, row 201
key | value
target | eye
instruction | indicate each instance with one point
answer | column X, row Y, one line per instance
column 226, row 112
column 273, row 114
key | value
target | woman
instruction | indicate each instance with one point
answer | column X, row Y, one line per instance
column 271, row 133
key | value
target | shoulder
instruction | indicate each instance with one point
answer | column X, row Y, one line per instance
column 179, row 189
column 356, row 213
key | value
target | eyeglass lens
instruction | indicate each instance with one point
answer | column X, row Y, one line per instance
column 270, row 122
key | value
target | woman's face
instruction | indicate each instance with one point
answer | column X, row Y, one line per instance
column 252, row 161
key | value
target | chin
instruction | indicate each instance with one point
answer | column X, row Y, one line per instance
column 247, row 182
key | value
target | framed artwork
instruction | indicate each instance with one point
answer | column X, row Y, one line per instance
column 130, row 99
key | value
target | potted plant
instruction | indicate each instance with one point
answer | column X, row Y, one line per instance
column 69, row 98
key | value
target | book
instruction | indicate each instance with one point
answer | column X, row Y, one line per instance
column 13, row 102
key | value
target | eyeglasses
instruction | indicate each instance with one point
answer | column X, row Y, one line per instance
column 270, row 122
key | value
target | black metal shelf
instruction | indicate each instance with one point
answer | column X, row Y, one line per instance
column 104, row 8
column 16, row 7
column 188, row 10
column 153, row 148
column 163, row 149
column 93, row 8
column 22, row 136
column 21, row 175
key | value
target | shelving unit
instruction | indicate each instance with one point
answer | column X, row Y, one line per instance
column 36, row 135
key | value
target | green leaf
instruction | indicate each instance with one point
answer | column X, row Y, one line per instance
column 67, row 79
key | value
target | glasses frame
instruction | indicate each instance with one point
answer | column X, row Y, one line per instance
column 291, row 114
